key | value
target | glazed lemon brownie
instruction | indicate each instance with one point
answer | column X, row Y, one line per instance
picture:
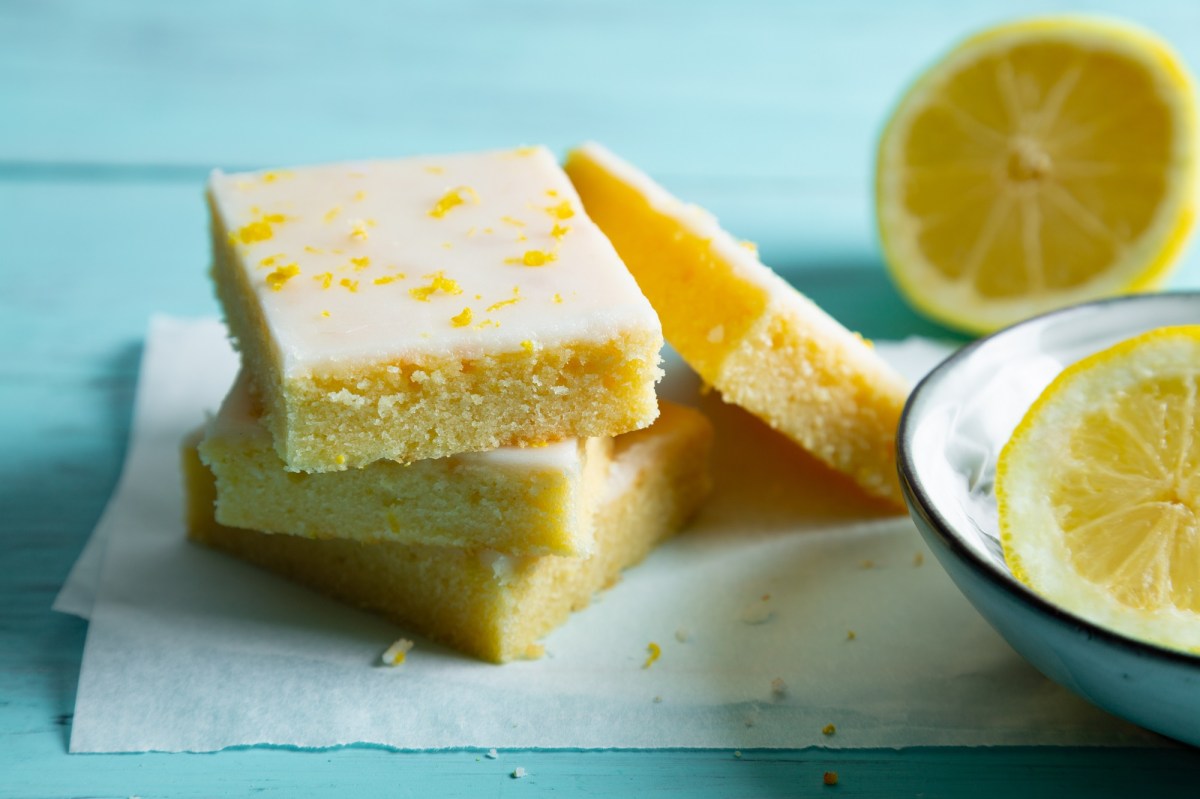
column 418, row 308
column 489, row 605
column 515, row 500
column 748, row 333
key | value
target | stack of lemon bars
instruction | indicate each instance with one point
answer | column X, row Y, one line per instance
column 446, row 411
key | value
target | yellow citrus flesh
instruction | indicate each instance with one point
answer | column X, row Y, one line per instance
column 1039, row 164
column 1099, row 489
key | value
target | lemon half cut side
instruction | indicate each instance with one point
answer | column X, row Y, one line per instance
column 1040, row 163
column 1099, row 489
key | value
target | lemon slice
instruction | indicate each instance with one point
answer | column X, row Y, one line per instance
column 1039, row 164
column 1099, row 489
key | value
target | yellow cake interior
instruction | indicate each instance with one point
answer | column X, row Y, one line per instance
column 492, row 606
column 515, row 500
column 744, row 330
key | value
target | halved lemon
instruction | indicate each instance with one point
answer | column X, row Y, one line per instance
column 1099, row 489
column 1039, row 164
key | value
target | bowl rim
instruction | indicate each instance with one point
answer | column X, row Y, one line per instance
column 921, row 503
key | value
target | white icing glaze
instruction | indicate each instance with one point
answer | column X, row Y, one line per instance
column 239, row 418
column 396, row 216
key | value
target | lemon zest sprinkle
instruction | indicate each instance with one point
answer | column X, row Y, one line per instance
column 332, row 213
column 495, row 306
column 508, row 220
column 437, row 282
column 462, row 319
column 282, row 275
column 348, row 283
column 251, row 232
column 561, row 211
column 533, row 258
column 453, row 199
column 325, row 279
column 558, row 231
column 360, row 263
column 655, row 653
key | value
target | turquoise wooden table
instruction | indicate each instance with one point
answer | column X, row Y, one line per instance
column 112, row 114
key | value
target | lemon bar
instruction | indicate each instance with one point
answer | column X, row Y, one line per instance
column 489, row 605
column 515, row 500
column 423, row 307
column 745, row 331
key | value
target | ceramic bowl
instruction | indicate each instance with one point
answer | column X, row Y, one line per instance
column 953, row 428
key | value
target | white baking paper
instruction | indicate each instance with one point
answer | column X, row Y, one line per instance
column 791, row 603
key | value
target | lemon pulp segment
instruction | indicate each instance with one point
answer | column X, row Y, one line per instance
column 1099, row 488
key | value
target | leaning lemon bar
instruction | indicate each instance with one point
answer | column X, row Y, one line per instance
column 515, row 500
column 486, row 604
column 748, row 333
column 418, row 308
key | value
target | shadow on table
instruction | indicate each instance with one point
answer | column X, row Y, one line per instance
column 860, row 294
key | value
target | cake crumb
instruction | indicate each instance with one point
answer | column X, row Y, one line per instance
column 683, row 635
column 737, row 753
column 397, row 652
column 867, row 564
column 655, row 652
column 918, row 559
column 492, row 754
column 830, row 778
column 658, row 700
column 778, row 688
column 851, row 635
column 828, row 729
column 519, row 772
